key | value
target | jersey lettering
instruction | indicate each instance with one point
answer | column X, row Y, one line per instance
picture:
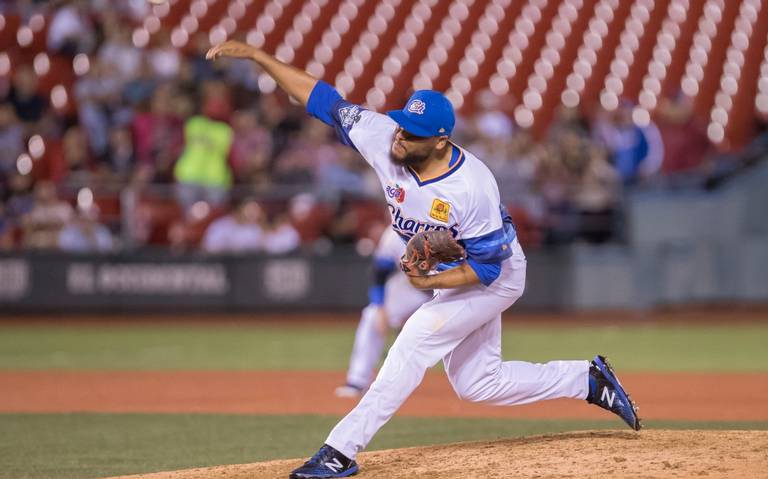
column 408, row 227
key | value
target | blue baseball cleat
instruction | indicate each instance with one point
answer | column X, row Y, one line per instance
column 328, row 462
column 606, row 391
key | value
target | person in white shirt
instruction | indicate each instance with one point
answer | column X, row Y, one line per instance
column 238, row 232
column 281, row 237
column 85, row 234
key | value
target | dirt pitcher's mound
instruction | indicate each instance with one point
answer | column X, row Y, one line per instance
column 648, row 454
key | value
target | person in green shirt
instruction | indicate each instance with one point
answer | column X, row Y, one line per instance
column 202, row 172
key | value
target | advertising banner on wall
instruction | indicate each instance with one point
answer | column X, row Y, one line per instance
column 47, row 282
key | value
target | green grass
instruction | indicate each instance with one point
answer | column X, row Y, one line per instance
column 97, row 445
column 633, row 347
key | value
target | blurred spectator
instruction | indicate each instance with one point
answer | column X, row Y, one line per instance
column 683, row 134
column 11, row 140
column 281, row 237
column 201, row 68
column 158, row 135
column 136, row 10
column 20, row 197
column 202, row 172
column 345, row 174
column 98, row 93
column 310, row 217
column 596, row 197
column 567, row 119
column 581, row 190
column 118, row 52
column 277, row 117
column 632, row 150
column 304, row 154
column 84, row 233
column 6, row 230
column 517, row 174
column 70, row 161
column 49, row 214
column 121, row 154
column 71, row 30
column 490, row 119
column 164, row 58
column 139, row 90
column 238, row 232
column 251, row 148
column 24, row 97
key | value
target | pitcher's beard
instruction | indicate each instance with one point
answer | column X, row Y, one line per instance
column 410, row 159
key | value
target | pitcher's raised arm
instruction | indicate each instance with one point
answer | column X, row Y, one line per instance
column 294, row 81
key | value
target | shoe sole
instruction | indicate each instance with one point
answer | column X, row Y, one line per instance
column 351, row 472
column 605, row 366
column 347, row 394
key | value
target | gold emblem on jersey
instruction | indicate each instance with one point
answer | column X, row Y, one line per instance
column 440, row 210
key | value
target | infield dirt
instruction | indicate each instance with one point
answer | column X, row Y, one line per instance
column 648, row 454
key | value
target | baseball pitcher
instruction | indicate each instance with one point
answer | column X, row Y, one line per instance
column 439, row 194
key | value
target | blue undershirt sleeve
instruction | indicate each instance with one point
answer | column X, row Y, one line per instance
column 485, row 253
column 487, row 272
column 321, row 102
column 328, row 106
column 382, row 269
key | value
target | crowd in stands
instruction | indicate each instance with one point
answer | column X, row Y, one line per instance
column 165, row 148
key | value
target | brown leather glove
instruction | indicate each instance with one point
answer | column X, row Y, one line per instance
column 427, row 249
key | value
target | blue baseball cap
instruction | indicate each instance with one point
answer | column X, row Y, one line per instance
column 427, row 113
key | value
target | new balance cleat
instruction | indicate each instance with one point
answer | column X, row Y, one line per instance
column 606, row 391
column 328, row 462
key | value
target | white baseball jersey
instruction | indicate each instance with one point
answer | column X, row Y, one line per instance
column 464, row 200
column 460, row 326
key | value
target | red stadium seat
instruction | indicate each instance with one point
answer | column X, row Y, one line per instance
column 154, row 217
column 634, row 26
column 9, row 24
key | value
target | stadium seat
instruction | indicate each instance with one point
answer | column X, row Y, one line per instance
column 541, row 53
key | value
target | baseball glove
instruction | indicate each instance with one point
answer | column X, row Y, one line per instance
column 427, row 249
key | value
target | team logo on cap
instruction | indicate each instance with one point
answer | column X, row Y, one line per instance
column 440, row 210
column 417, row 106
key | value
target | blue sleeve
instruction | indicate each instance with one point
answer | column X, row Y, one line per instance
column 493, row 247
column 382, row 268
column 485, row 253
column 376, row 294
column 327, row 105
column 487, row 272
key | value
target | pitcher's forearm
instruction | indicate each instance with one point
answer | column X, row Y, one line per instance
column 462, row 275
column 294, row 81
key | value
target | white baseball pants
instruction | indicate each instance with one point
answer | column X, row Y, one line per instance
column 463, row 328
column 400, row 301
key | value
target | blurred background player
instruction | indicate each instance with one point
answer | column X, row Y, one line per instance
column 392, row 301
